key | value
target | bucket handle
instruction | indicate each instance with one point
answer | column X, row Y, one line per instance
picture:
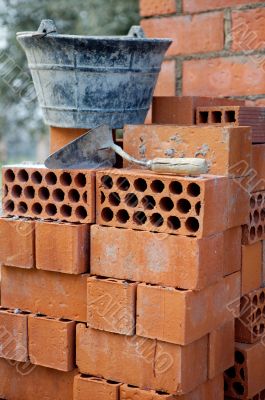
column 137, row 31
column 46, row 27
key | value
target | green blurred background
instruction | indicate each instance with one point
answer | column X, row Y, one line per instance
column 23, row 136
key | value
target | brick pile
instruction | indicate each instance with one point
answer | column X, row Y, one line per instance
column 154, row 291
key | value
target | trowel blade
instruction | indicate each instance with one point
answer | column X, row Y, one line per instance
column 89, row 151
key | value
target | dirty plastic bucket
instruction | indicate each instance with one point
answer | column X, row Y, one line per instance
column 85, row 81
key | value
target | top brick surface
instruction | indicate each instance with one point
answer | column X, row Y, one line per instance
column 157, row 7
column 193, row 6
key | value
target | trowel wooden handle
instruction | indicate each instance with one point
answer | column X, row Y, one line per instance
column 178, row 166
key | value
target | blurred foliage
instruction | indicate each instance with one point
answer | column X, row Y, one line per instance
column 86, row 17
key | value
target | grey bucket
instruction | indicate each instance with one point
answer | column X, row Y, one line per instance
column 85, row 81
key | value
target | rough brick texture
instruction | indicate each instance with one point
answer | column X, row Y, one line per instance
column 169, row 260
column 141, row 362
column 254, row 231
column 192, row 6
column 86, row 388
column 166, row 84
column 251, row 267
column 62, row 247
column 59, row 137
column 37, row 192
column 248, row 29
column 232, row 250
column 157, row 7
column 52, row 342
column 111, row 305
column 54, row 294
column 181, row 317
column 17, row 242
column 25, row 381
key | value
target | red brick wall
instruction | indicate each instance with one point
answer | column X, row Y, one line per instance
column 218, row 46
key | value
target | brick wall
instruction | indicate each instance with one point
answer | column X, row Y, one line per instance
column 218, row 46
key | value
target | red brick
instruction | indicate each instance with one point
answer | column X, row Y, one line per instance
column 86, row 388
column 29, row 382
column 17, row 242
column 191, row 34
column 60, row 137
column 142, row 200
column 237, row 76
column 169, row 260
column 50, row 293
column 52, row 342
column 257, row 179
column 142, row 362
column 246, row 378
column 221, row 349
column 166, row 84
column 181, row 317
column 232, row 250
column 248, row 29
column 13, row 335
column 251, row 267
column 204, row 5
column 62, row 247
column 222, row 147
column 37, row 192
column 157, row 7
column 111, row 305
column 212, row 389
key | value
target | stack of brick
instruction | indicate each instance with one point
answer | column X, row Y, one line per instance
column 122, row 284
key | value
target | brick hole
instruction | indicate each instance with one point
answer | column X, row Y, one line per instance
column 22, row 207
column 256, row 216
column 183, row 206
column 255, row 300
column 216, row 117
column 22, row 175
column 44, row 193
column 58, row 195
column 192, row 224
column 231, row 373
column 66, row 179
column 122, row 216
column 193, row 190
column 198, row 207
column 225, row 386
column 102, row 197
column 239, row 357
column 242, row 373
column 256, row 397
column 261, row 329
column 84, row 197
column 66, row 211
column 252, row 202
column 148, row 202
column 9, row 206
column 107, row 214
column 260, row 231
column 81, row 212
column 5, row 190
column 262, row 214
column 51, row 178
column 131, row 200
column 111, row 382
column 36, row 208
column 157, row 186
column 74, row 196
column 259, row 199
column 36, row 177
column 140, row 185
column 166, row 204
column 238, row 388
column 139, row 218
column 123, row 183
column 156, row 219
column 252, row 233
column 29, row 192
column 173, row 223
column 51, row 209
column 250, row 218
column 80, row 180
column 9, row 175
column 203, row 117
column 230, row 116
column 255, row 330
column 175, row 187
column 258, row 314
column 114, row 199
column 261, row 297
column 16, row 191
column 107, row 182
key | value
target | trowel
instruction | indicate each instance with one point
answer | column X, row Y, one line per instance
column 96, row 149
